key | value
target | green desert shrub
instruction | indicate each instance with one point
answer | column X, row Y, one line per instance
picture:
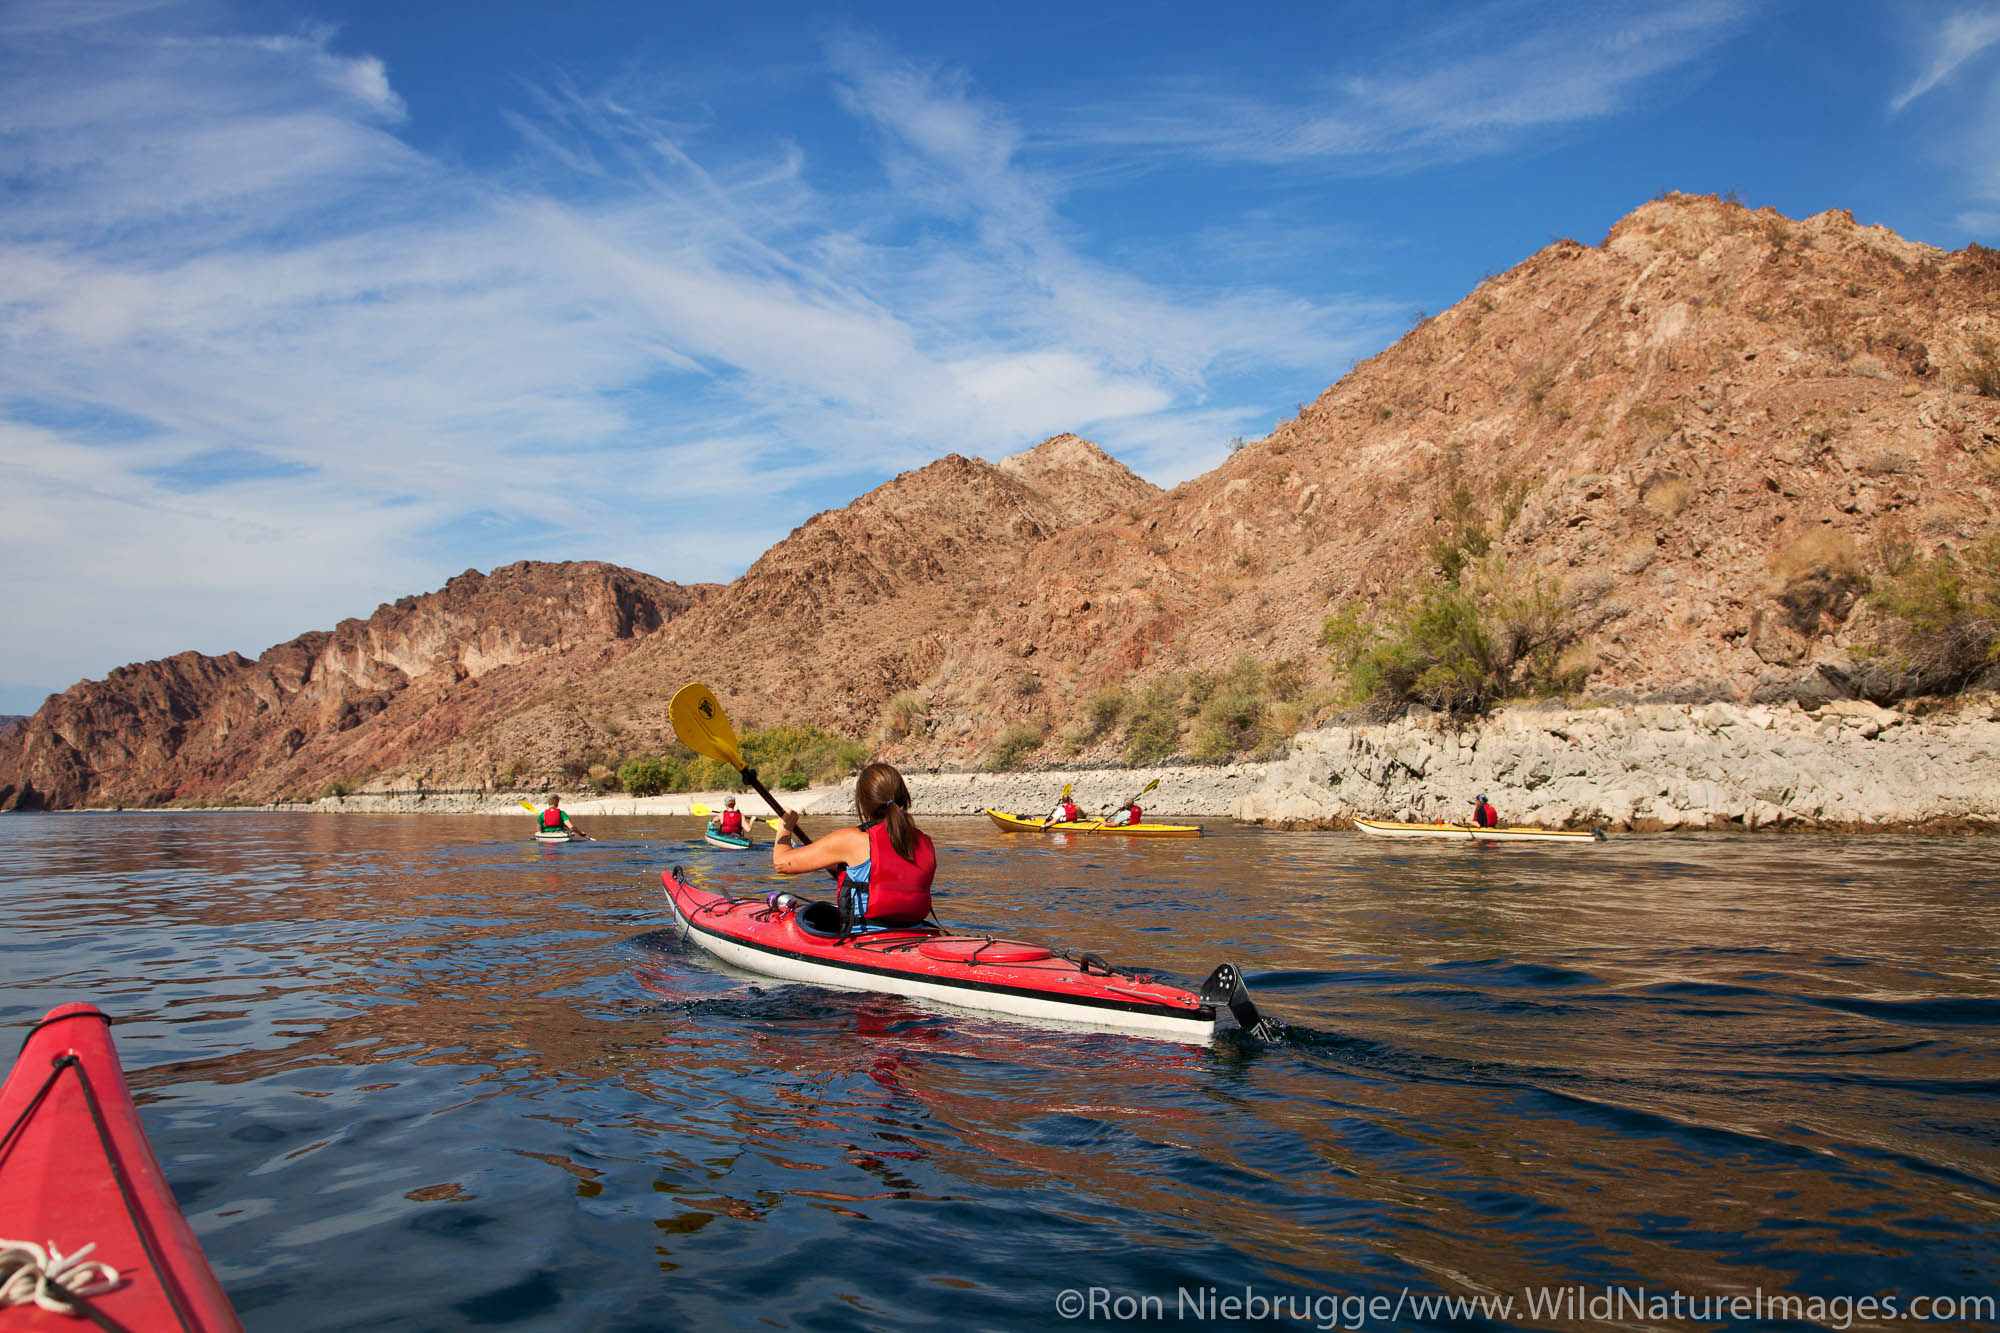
column 1249, row 709
column 790, row 758
column 1464, row 646
column 1666, row 497
column 1286, row 681
column 652, row 777
column 1102, row 712
column 1153, row 725
column 1941, row 617
column 1982, row 373
column 781, row 752
column 351, row 784
column 1464, row 539
column 1234, row 719
column 1252, row 709
column 705, row 774
column 1478, row 634
column 1016, row 743
column 906, row 714
column 1818, row 573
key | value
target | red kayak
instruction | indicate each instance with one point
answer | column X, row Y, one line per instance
column 781, row 937
column 83, row 1201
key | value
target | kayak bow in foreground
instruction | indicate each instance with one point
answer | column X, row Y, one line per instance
column 927, row 962
column 83, row 1202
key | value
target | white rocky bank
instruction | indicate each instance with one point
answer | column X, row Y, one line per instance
column 1643, row 767
column 1847, row 765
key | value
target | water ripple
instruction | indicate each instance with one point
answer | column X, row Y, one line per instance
column 489, row 1076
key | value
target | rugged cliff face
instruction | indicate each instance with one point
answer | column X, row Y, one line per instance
column 1720, row 420
column 1713, row 427
column 328, row 706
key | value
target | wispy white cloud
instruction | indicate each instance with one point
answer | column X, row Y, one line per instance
column 961, row 160
column 349, row 369
column 1962, row 37
column 1960, row 128
column 1495, row 75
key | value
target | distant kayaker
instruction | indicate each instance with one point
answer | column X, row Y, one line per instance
column 553, row 818
column 1128, row 813
column 730, row 821
column 1064, row 813
column 1484, row 815
column 890, row 861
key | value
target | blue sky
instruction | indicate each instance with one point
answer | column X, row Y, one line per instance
column 306, row 307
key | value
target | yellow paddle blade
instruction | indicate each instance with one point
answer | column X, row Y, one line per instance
column 702, row 725
column 530, row 807
column 775, row 823
column 699, row 809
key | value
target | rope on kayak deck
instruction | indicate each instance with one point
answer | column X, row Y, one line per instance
column 55, row 1281
column 13, row 1271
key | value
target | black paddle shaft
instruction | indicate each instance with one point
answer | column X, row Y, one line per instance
column 750, row 776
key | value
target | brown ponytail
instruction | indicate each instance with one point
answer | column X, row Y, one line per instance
column 879, row 793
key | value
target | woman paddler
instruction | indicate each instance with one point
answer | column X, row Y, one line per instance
column 890, row 861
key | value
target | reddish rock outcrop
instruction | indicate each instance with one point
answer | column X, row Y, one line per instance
column 331, row 705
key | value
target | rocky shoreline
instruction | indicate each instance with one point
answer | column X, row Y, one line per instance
column 1189, row 791
column 1846, row 766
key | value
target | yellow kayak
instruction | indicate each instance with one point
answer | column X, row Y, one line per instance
column 1024, row 824
column 1386, row 828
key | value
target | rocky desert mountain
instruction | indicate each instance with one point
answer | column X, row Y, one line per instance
column 333, row 704
column 1713, row 427
column 856, row 606
column 1719, row 420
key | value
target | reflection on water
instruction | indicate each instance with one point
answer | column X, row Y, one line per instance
column 426, row 1073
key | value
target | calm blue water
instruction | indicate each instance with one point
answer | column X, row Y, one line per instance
column 421, row 1073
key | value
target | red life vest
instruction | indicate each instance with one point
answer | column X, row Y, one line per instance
column 731, row 822
column 552, row 818
column 899, row 891
column 1133, row 818
column 1070, row 812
